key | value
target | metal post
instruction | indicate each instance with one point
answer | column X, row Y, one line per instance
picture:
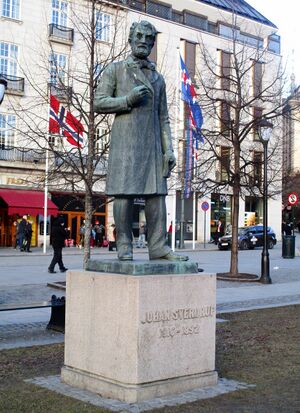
column 204, row 229
column 181, row 244
column 265, row 260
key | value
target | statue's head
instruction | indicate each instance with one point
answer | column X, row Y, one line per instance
column 141, row 38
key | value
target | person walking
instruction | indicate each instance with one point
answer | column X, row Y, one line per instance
column 15, row 240
column 220, row 230
column 81, row 235
column 27, row 236
column 59, row 235
column 21, row 232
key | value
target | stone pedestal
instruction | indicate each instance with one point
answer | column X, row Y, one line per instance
column 135, row 338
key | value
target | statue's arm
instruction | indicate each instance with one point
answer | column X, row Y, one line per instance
column 166, row 136
column 105, row 101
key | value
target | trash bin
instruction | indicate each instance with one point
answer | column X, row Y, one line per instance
column 288, row 246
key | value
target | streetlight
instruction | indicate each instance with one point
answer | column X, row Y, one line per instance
column 265, row 129
column 3, row 86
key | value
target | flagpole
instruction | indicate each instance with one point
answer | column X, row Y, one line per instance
column 176, row 147
column 46, row 186
column 194, row 218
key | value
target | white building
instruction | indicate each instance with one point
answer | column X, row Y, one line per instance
column 41, row 46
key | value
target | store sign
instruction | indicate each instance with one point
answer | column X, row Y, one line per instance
column 11, row 180
column 224, row 198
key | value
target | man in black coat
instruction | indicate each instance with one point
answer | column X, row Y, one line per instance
column 59, row 235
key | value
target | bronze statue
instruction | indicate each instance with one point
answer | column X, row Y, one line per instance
column 141, row 155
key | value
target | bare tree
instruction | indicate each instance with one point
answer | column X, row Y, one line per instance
column 238, row 87
column 80, row 168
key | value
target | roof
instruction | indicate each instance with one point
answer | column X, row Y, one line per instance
column 241, row 8
column 26, row 202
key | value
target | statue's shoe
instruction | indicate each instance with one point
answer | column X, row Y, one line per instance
column 126, row 257
column 171, row 256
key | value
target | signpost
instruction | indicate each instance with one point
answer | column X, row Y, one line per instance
column 293, row 200
column 205, row 208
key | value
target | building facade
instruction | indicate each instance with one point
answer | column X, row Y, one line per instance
column 43, row 50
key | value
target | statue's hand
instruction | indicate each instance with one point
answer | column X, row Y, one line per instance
column 137, row 94
column 169, row 163
column 171, row 159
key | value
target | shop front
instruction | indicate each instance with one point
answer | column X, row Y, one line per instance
column 14, row 204
column 253, row 211
column 221, row 208
column 72, row 209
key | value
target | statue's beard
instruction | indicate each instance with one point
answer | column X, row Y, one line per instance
column 141, row 52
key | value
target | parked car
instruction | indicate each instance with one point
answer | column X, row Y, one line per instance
column 248, row 238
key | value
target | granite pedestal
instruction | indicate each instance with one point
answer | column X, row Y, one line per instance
column 137, row 337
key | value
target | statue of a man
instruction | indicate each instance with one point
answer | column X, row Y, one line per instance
column 141, row 154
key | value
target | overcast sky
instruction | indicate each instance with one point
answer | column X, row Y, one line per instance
column 285, row 15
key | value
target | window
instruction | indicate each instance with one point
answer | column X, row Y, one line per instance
column 274, row 43
column 58, row 68
column 153, row 55
column 157, row 9
column 59, row 12
column 225, row 163
column 193, row 20
column 257, row 115
column 103, row 27
column 257, row 79
column 225, row 70
column 98, row 67
column 102, row 142
column 257, row 168
column 177, row 16
column 190, row 58
column 225, row 119
column 7, row 130
column 8, row 59
column 11, row 9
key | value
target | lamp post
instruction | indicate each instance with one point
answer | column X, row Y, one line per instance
column 3, row 86
column 265, row 129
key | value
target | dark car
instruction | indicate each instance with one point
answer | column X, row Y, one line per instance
column 248, row 238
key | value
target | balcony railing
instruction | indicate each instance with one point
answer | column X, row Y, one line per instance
column 62, row 93
column 62, row 33
column 12, row 154
column 14, row 83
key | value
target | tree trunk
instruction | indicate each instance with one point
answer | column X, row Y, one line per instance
column 88, row 225
column 236, row 202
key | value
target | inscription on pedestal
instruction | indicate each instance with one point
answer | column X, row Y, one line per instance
column 165, row 319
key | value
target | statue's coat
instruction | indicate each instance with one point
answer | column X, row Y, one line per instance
column 140, row 136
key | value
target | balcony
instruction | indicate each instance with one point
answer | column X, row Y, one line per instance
column 15, row 84
column 61, row 34
column 62, row 93
column 13, row 154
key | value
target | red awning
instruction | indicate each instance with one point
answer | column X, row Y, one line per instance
column 26, row 202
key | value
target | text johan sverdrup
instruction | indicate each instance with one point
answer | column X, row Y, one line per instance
column 179, row 316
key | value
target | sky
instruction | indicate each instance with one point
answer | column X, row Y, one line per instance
column 285, row 15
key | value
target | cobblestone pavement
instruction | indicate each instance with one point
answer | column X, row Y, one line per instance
column 27, row 334
column 224, row 386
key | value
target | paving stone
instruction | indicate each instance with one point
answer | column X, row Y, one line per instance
column 53, row 383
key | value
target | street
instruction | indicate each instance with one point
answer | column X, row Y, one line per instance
column 24, row 278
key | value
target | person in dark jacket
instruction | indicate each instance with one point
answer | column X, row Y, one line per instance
column 27, row 236
column 21, row 232
column 59, row 235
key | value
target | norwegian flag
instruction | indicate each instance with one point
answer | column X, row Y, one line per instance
column 188, row 94
column 63, row 122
